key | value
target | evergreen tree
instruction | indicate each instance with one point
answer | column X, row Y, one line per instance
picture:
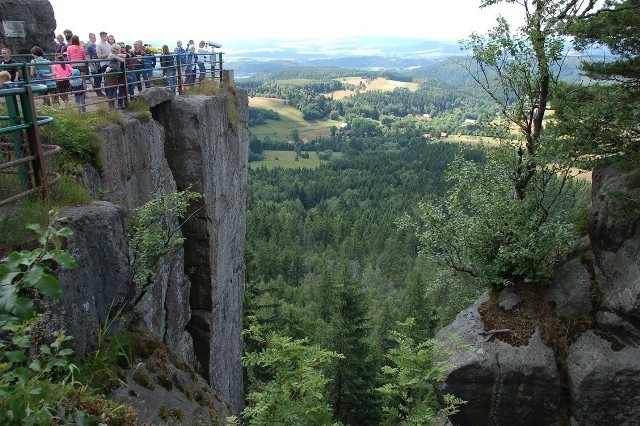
column 354, row 376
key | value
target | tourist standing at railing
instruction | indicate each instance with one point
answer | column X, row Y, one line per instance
column 42, row 71
column 62, row 72
column 8, row 60
column 182, row 54
column 94, row 67
column 75, row 52
column 68, row 34
column 202, row 57
column 129, row 66
column 59, row 43
column 115, row 67
column 190, row 66
column 77, row 86
column 103, row 49
column 149, row 63
column 168, row 65
column 142, row 72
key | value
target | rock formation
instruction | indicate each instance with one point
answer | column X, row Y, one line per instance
column 27, row 23
column 194, row 306
column 585, row 370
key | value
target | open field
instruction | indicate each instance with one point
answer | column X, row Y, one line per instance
column 290, row 118
column 378, row 84
column 286, row 160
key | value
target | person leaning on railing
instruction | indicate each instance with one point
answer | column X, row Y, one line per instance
column 62, row 72
column 42, row 71
column 168, row 65
column 8, row 60
column 114, row 69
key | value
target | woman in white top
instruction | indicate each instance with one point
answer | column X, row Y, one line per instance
column 203, row 54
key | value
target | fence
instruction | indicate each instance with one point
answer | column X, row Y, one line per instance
column 117, row 87
column 28, row 154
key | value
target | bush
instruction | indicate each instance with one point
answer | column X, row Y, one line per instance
column 480, row 229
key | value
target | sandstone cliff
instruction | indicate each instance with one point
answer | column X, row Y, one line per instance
column 569, row 354
column 34, row 17
column 195, row 305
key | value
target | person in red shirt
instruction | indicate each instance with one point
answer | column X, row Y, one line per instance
column 76, row 52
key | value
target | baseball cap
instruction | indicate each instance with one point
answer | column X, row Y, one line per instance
column 75, row 71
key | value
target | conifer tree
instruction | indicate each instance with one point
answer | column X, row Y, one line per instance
column 354, row 376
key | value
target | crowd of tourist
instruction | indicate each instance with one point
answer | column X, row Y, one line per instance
column 103, row 63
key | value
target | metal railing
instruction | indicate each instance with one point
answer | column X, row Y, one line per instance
column 119, row 86
column 28, row 154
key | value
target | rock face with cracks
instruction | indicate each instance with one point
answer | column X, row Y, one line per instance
column 579, row 362
column 194, row 306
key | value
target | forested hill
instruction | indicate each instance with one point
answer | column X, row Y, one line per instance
column 303, row 224
column 450, row 69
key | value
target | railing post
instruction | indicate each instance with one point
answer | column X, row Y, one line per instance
column 14, row 120
column 33, row 137
column 179, row 74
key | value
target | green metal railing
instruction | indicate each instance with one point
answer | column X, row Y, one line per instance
column 28, row 152
column 128, row 78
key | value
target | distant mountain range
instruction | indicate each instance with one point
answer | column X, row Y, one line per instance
column 357, row 52
column 417, row 57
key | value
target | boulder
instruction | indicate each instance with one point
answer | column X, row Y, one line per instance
column 603, row 383
column 93, row 292
column 502, row 384
column 616, row 241
column 206, row 145
column 33, row 18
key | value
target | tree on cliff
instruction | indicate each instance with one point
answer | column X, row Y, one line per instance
column 593, row 115
column 508, row 221
column 520, row 71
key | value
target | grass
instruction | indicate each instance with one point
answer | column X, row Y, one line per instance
column 286, row 160
column 381, row 84
column 290, row 118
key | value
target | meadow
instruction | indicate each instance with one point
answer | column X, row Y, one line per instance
column 287, row 160
column 291, row 118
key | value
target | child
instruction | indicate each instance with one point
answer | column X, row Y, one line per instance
column 5, row 77
column 77, row 87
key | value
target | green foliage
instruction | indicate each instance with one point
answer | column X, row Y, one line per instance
column 27, row 367
column 207, row 87
column 76, row 134
column 286, row 383
column 155, row 232
column 70, row 192
column 409, row 395
column 479, row 229
column 258, row 116
column 354, row 375
column 614, row 26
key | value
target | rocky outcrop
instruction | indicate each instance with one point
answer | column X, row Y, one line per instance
column 502, row 384
column 210, row 156
column 203, row 142
column 34, row 18
column 586, row 368
column 94, row 290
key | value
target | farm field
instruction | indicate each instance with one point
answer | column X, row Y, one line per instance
column 290, row 118
column 382, row 84
column 287, row 160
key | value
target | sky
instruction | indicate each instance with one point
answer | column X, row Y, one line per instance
column 258, row 21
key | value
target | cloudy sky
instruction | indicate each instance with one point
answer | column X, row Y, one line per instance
column 228, row 22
